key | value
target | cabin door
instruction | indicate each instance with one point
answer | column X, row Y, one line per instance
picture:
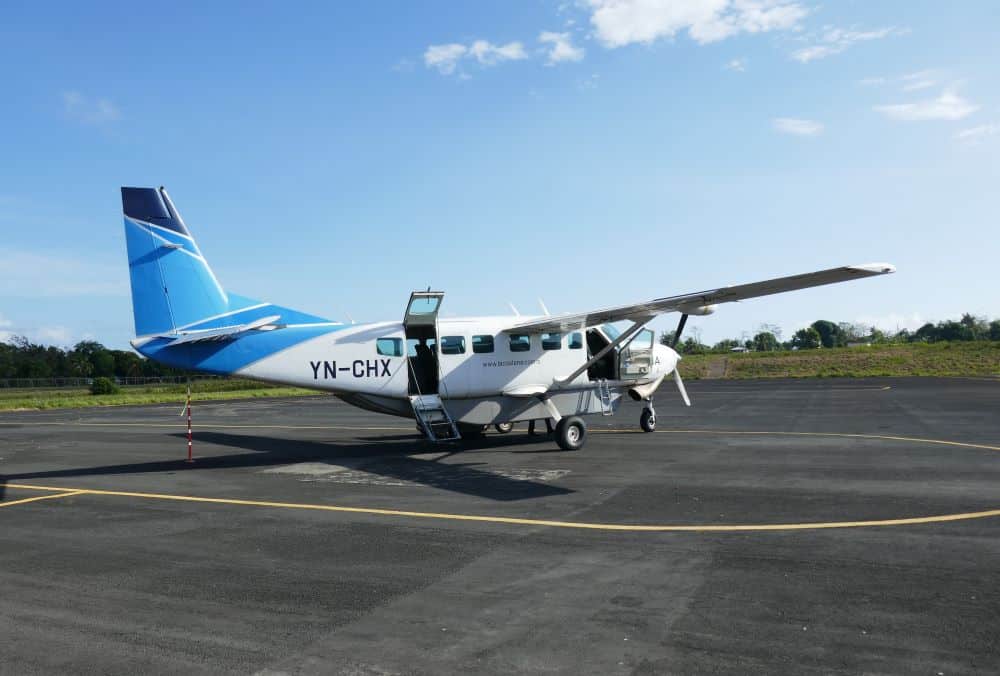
column 420, row 326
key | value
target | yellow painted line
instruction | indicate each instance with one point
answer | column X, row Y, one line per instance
column 597, row 430
column 763, row 433
column 40, row 497
column 581, row 525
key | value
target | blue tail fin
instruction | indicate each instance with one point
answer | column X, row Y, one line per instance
column 172, row 285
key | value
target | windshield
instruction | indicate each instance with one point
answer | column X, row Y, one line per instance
column 610, row 331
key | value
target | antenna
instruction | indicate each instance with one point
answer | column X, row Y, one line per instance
column 513, row 308
column 544, row 309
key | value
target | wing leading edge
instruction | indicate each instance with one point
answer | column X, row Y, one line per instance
column 690, row 302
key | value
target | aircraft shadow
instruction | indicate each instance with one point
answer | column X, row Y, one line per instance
column 390, row 460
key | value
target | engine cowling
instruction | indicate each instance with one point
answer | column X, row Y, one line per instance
column 664, row 362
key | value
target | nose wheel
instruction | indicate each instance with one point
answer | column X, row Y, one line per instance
column 647, row 421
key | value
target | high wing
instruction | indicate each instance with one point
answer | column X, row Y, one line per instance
column 690, row 303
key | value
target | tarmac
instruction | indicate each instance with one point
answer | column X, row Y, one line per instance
column 791, row 526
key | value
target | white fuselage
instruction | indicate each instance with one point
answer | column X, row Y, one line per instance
column 482, row 372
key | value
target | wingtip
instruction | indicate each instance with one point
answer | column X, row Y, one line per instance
column 876, row 268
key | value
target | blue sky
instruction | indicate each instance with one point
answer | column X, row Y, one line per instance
column 334, row 157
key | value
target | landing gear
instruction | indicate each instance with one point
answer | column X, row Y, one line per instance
column 503, row 428
column 571, row 433
column 471, row 431
column 647, row 421
column 548, row 427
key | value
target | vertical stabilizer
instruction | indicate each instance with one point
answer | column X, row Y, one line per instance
column 172, row 285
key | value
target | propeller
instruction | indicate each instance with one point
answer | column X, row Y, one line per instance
column 680, row 387
column 679, row 331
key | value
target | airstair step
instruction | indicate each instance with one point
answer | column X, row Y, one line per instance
column 433, row 418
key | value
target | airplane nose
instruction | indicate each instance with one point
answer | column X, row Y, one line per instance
column 666, row 359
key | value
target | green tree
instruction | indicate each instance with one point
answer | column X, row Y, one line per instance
column 952, row 330
column 806, row 339
column 995, row 329
column 765, row 341
column 726, row 345
column 928, row 333
column 830, row 334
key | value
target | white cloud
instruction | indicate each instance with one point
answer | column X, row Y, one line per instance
column 51, row 335
column 618, row 23
column 489, row 54
column 561, row 47
column 872, row 81
column 978, row 134
column 837, row 40
column 736, row 65
column 89, row 110
column 29, row 274
column 921, row 80
column 447, row 57
column 444, row 57
column 796, row 126
column 947, row 106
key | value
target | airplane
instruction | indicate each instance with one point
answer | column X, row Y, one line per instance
column 454, row 376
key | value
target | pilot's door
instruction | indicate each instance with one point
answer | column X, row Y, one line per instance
column 420, row 326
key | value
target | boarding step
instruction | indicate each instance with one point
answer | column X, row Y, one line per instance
column 604, row 395
column 433, row 418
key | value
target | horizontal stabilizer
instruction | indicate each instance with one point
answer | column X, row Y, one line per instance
column 221, row 333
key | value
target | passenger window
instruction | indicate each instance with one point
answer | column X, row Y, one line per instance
column 453, row 345
column 520, row 342
column 482, row 344
column 551, row 341
column 576, row 341
column 390, row 347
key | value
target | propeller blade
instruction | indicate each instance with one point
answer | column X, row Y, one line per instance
column 680, row 387
column 679, row 331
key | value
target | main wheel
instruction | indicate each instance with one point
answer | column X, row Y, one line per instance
column 571, row 433
column 647, row 421
column 471, row 431
column 503, row 428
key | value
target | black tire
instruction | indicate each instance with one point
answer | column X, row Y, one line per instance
column 504, row 428
column 571, row 432
column 647, row 421
column 471, row 431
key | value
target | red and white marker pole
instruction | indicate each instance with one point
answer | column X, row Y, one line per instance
column 190, row 435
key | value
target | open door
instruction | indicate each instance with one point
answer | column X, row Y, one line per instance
column 420, row 326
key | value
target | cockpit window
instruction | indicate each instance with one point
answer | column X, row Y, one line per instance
column 611, row 331
column 576, row 341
